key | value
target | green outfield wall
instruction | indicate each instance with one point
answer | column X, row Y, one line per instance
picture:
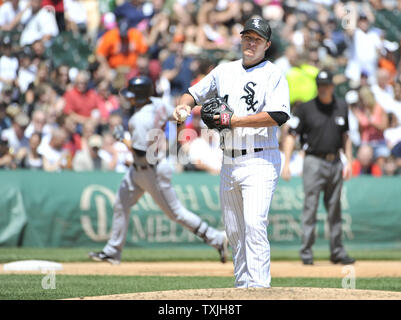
column 70, row 209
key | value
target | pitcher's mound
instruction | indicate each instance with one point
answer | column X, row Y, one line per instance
column 277, row 293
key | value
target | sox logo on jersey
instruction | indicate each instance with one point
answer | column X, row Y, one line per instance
column 250, row 96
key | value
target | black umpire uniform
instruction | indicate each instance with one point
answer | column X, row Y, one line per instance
column 322, row 124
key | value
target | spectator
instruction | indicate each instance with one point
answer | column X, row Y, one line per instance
column 108, row 103
column 392, row 135
column 5, row 121
column 73, row 142
column 204, row 151
column 17, row 141
column 88, row 130
column 9, row 12
column 32, row 159
column 120, row 47
column 391, row 167
column 134, row 11
column 352, row 99
column 39, row 24
column 384, row 93
column 61, row 80
column 108, row 153
column 88, row 159
column 75, row 16
column 79, row 102
column 301, row 80
column 364, row 163
column 125, row 158
column 211, row 35
column 177, row 68
column 6, row 157
column 39, row 53
column 8, row 63
column 108, row 22
column 372, row 121
column 288, row 60
column 27, row 70
column 31, row 96
column 54, row 156
column 58, row 8
column 38, row 124
column 364, row 50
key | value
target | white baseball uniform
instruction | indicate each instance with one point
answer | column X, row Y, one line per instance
column 153, row 179
column 248, row 179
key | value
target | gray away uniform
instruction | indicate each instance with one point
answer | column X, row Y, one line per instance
column 156, row 180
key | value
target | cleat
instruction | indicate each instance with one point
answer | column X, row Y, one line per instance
column 307, row 262
column 101, row 256
column 223, row 250
column 344, row 260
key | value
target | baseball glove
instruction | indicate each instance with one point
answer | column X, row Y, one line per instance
column 216, row 106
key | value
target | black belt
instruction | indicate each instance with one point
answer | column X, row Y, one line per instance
column 144, row 167
column 326, row 156
column 235, row 153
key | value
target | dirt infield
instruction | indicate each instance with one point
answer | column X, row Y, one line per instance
column 276, row 293
column 321, row 269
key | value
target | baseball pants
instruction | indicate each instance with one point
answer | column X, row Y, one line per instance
column 322, row 175
column 158, row 183
column 247, row 185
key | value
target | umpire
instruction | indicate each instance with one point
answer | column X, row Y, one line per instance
column 322, row 124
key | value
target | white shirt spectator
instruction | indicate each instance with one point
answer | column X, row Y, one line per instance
column 124, row 156
column 25, row 77
column 8, row 69
column 52, row 155
column 38, row 25
column 13, row 141
column 200, row 151
column 364, row 55
column 75, row 11
column 387, row 101
column 392, row 136
column 7, row 12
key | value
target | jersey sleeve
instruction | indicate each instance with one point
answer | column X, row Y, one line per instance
column 206, row 88
column 278, row 99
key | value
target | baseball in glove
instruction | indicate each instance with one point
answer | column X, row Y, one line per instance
column 216, row 106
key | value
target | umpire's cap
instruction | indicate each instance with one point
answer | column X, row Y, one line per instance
column 324, row 77
column 260, row 26
column 140, row 88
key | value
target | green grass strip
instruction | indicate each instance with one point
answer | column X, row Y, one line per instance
column 173, row 254
column 38, row 287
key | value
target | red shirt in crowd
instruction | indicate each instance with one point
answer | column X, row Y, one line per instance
column 81, row 103
column 58, row 5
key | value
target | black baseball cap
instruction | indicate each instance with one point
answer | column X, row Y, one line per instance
column 260, row 26
column 324, row 77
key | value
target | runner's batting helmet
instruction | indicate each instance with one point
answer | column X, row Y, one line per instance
column 140, row 88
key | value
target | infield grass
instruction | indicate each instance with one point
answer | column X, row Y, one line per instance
column 173, row 254
column 29, row 287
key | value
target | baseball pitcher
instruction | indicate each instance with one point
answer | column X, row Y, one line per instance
column 246, row 100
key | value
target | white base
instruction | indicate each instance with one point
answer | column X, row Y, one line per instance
column 32, row 265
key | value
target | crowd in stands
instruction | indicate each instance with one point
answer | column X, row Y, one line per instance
column 62, row 64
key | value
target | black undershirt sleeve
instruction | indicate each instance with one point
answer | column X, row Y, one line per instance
column 196, row 103
column 279, row 116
